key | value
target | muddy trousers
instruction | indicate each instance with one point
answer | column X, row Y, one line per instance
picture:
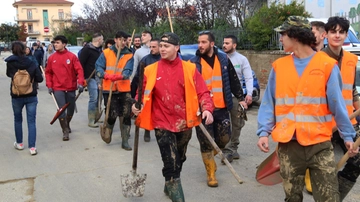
column 319, row 159
column 173, row 151
column 219, row 130
column 120, row 106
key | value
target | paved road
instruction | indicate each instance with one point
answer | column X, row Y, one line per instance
column 87, row 169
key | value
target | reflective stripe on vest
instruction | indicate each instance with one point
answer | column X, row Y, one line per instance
column 213, row 80
column 110, row 57
column 300, row 102
column 348, row 68
column 144, row 120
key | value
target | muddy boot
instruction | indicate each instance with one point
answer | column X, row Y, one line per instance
column 91, row 119
column 125, row 133
column 68, row 118
column 147, row 137
column 175, row 191
column 345, row 186
column 210, row 166
column 65, row 128
column 166, row 191
column 106, row 135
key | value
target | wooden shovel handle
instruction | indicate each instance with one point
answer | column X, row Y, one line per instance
column 202, row 127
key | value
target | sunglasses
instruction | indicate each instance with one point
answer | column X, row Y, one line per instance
column 204, row 32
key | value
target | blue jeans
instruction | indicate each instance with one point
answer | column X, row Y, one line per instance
column 18, row 104
column 93, row 94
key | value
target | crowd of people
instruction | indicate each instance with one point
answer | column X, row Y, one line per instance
column 308, row 93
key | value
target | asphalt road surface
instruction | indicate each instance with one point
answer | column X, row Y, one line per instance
column 87, row 169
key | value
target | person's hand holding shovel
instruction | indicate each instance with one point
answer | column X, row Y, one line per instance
column 113, row 77
column 135, row 110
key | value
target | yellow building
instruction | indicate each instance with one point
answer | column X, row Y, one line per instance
column 43, row 17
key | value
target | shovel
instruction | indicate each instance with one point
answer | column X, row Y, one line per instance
column 59, row 111
column 103, row 127
column 100, row 110
column 133, row 184
column 208, row 136
column 268, row 172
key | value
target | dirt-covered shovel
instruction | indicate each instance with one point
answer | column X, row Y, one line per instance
column 133, row 184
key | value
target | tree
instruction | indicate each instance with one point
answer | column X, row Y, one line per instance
column 352, row 14
column 9, row 32
column 22, row 33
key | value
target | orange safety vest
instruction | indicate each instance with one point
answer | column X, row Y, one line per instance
column 348, row 65
column 144, row 120
column 213, row 80
column 301, row 107
column 120, row 85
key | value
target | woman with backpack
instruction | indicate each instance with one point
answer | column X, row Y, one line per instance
column 25, row 75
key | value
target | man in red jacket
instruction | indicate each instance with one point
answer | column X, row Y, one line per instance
column 64, row 75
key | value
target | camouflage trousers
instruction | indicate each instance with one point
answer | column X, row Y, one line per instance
column 319, row 158
column 219, row 130
column 120, row 105
column 173, row 148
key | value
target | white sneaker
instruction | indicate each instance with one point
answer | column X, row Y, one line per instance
column 18, row 146
column 33, row 151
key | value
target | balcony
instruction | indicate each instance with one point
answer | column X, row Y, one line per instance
column 61, row 19
column 27, row 20
column 33, row 33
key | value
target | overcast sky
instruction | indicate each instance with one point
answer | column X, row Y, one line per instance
column 8, row 12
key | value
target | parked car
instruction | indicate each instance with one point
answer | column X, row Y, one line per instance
column 74, row 49
column 188, row 51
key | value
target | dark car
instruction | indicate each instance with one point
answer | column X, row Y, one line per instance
column 188, row 51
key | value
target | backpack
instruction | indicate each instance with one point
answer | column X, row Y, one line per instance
column 21, row 83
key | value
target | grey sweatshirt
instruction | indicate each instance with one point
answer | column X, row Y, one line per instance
column 139, row 54
column 242, row 67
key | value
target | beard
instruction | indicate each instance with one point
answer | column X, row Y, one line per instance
column 206, row 51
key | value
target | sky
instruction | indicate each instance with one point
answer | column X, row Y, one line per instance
column 8, row 12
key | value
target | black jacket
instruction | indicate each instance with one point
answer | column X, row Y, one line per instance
column 39, row 55
column 14, row 63
column 231, row 83
column 88, row 56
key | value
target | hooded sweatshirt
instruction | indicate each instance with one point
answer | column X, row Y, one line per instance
column 14, row 63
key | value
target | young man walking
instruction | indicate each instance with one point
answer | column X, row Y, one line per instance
column 120, row 104
column 88, row 56
column 174, row 117
column 243, row 69
column 222, row 81
column 64, row 75
column 303, row 94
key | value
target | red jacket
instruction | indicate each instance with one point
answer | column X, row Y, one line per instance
column 63, row 71
column 168, row 99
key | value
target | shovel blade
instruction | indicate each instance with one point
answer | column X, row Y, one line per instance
column 268, row 172
column 98, row 115
column 133, row 185
column 59, row 112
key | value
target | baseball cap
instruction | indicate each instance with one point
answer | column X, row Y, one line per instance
column 294, row 21
column 170, row 38
column 34, row 44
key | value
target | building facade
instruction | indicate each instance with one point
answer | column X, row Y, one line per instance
column 43, row 18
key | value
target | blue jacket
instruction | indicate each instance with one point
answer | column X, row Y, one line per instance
column 231, row 83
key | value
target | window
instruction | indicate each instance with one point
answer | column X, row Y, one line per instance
column 61, row 14
column 29, row 14
column 30, row 28
column 45, row 18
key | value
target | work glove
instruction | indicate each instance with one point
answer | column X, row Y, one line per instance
column 80, row 88
column 50, row 90
column 113, row 77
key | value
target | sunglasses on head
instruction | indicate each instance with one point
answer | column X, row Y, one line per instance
column 204, row 32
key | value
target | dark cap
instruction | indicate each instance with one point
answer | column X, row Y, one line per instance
column 294, row 21
column 170, row 38
column 120, row 34
column 34, row 44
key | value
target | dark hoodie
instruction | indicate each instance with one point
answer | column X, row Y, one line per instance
column 14, row 63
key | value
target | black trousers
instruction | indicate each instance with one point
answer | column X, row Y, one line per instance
column 120, row 105
column 173, row 151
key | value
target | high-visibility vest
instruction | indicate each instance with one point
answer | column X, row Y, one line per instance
column 301, row 106
column 213, row 80
column 348, row 65
column 120, row 85
column 144, row 120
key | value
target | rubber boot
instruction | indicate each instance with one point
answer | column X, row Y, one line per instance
column 91, row 119
column 106, row 135
column 175, row 191
column 147, row 137
column 210, row 166
column 65, row 128
column 308, row 181
column 345, row 186
column 125, row 133
column 68, row 118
